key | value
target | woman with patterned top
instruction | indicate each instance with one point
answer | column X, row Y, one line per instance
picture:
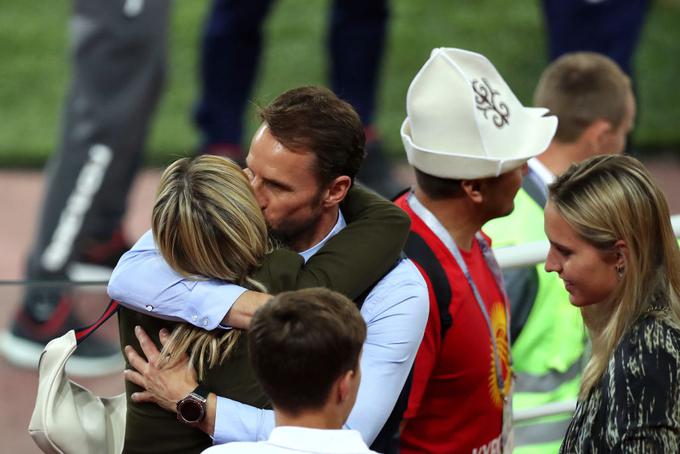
column 612, row 244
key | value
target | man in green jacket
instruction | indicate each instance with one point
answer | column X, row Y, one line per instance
column 594, row 103
column 301, row 164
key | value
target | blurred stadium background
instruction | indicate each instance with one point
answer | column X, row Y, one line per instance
column 34, row 74
column 33, row 51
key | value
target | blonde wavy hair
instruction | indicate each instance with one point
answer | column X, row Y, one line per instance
column 207, row 225
column 610, row 198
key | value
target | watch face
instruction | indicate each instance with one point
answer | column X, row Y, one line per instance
column 191, row 410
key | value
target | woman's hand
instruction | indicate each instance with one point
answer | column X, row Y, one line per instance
column 165, row 385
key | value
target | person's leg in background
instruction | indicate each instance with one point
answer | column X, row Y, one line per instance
column 356, row 41
column 118, row 61
column 610, row 27
column 230, row 55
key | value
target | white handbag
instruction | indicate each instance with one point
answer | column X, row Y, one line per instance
column 68, row 418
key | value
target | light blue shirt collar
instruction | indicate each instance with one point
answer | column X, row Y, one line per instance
column 339, row 225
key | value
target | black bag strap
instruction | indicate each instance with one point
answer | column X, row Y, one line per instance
column 83, row 333
column 417, row 250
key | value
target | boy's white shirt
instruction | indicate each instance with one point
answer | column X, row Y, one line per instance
column 288, row 439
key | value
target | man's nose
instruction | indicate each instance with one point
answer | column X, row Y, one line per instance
column 256, row 183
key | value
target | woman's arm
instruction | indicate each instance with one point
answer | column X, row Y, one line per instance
column 396, row 312
column 354, row 259
column 349, row 263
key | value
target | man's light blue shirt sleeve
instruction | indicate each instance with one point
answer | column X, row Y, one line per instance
column 144, row 282
column 395, row 312
column 235, row 421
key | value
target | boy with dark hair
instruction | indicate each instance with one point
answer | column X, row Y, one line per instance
column 305, row 347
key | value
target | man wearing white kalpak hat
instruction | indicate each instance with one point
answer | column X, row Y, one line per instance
column 468, row 139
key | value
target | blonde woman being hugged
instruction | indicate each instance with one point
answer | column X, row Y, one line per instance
column 208, row 225
column 612, row 244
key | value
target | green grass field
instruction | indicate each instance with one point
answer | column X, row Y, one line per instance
column 34, row 70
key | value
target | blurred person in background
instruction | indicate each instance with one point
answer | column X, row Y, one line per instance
column 231, row 47
column 118, row 67
column 612, row 244
column 608, row 27
column 119, row 56
column 593, row 101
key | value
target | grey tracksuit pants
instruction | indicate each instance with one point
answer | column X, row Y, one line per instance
column 118, row 53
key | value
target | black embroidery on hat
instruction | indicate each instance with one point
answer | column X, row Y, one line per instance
column 485, row 97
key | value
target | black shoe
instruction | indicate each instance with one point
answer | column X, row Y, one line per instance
column 376, row 171
column 23, row 344
column 98, row 258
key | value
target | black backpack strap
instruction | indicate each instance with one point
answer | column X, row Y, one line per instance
column 83, row 333
column 387, row 440
column 417, row 249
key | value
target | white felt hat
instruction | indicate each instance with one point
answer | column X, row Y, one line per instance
column 464, row 122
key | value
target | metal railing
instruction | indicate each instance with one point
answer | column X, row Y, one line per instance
column 536, row 252
column 531, row 254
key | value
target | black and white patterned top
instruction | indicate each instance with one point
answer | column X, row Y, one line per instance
column 635, row 407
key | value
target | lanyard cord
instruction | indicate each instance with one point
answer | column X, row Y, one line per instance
column 433, row 223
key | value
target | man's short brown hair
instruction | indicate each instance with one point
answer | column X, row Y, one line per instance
column 301, row 342
column 315, row 118
column 580, row 88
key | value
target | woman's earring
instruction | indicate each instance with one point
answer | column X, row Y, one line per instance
column 619, row 270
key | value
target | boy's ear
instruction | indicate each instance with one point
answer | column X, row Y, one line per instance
column 344, row 385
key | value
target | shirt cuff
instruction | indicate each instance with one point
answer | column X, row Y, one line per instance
column 208, row 303
column 235, row 421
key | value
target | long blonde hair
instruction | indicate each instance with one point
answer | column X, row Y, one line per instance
column 207, row 225
column 610, row 198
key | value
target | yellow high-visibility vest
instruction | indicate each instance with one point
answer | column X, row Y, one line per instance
column 548, row 353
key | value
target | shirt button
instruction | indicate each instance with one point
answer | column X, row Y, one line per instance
column 204, row 322
column 194, row 318
column 149, row 307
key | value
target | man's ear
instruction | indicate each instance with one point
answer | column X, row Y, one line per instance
column 473, row 189
column 595, row 136
column 336, row 191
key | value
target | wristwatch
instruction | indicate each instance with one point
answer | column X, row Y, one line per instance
column 191, row 409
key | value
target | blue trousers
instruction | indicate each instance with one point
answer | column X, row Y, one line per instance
column 610, row 27
column 230, row 54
